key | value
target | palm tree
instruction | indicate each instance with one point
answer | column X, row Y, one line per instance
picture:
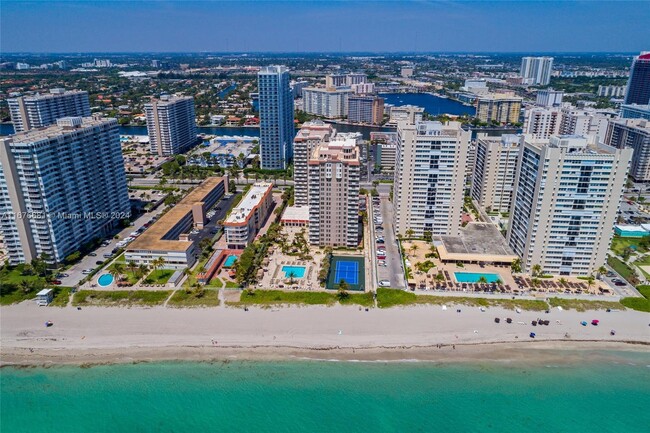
column 601, row 270
column 291, row 276
column 562, row 281
column 132, row 266
column 482, row 279
column 409, row 233
column 413, row 249
column 515, row 266
column 142, row 270
column 537, row 269
column 116, row 271
column 590, row 281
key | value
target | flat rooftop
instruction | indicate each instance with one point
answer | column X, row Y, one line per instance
column 477, row 242
column 296, row 213
column 251, row 200
column 55, row 130
column 152, row 238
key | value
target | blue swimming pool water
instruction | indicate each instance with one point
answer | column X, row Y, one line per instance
column 298, row 271
column 473, row 277
column 105, row 280
column 230, row 260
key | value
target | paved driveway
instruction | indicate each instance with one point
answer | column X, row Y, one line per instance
column 393, row 269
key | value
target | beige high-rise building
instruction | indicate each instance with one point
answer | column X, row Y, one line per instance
column 542, row 123
column 567, row 194
column 171, row 124
column 430, row 177
column 334, row 171
column 502, row 108
column 494, row 172
column 310, row 135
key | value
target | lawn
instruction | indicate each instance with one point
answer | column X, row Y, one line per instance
column 639, row 304
column 193, row 298
column 120, row 298
column 159, row 276
column 11, row 291
column 581, row 305
column 127, row 276
column 231, row 285
column 621, row 268
column 387, row 298
column 278, row 297
column 619, row 244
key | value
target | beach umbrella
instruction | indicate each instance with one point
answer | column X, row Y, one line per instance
column 595, row 322
column 583, row 323
column 532, row 335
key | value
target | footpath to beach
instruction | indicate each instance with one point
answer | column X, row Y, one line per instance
column 99, row 334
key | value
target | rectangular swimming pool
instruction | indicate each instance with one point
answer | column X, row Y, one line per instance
column 474, row 277
column 293, row 271
column 230, row 260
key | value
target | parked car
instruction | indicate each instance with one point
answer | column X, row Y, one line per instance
column 87, row 271
column 62, row 275
column 57, row 282
column 380, row 241
column 108, row 255
column 619, row 283
column 92, row 254
column 384, row 283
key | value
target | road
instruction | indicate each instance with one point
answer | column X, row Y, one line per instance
column 393, row 270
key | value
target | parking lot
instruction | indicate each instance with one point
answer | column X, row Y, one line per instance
column 390, row 267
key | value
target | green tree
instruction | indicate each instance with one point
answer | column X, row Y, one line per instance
column 537, row 270
column 482, row 279
column 515, row 266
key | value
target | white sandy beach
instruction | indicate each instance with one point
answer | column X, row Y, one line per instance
column 98, row 334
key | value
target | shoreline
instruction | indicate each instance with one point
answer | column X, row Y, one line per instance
column 426, row 332
column 528, row 352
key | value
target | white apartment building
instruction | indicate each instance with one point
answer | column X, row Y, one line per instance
column 29, row 112
column 635, row 134
column 494, row 172
column 541, row 122
column 549, row 98
column 329, row 103
column 405, row 113
column 60, row 187
column 311, row 135
column 334, row 171
column 536, row 70
column 611, row 91
column 585, row 122
column 567, row 194
column 430, row 177
column 171, row 124
column 249, row 216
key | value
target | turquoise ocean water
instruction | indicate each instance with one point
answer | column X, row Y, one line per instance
column 322, row 396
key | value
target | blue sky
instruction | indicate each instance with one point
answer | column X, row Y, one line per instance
column 343, row 26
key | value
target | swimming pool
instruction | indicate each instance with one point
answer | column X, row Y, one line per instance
column 474, row 277
column 295, row 271
column 105, row 280
column 230, row 260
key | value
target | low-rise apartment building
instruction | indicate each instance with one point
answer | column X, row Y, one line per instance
column 249, row 216
column 168, row 238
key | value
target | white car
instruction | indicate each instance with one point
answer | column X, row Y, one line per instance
column 87, row 271
column 384, row 283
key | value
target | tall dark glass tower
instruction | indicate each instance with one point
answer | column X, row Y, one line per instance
column 638, row 86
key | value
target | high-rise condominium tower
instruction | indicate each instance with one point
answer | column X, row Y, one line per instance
column 494, row 172
column 634, row 133
column 61, row 187
column 334, row 170
column 430, row 177
column 638, row 85
column 536, row 71
column 276, row 117
column 171, row 124
column 28, row 112
column 567, row 194
column 306, row 140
